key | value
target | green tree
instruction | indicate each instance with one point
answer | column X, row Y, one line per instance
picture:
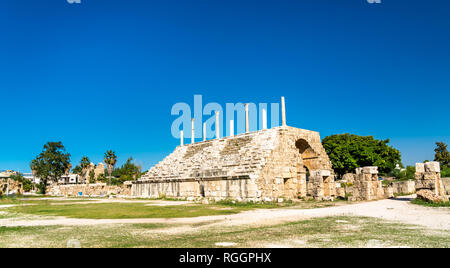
column 110, row 161
column 91, row 176
column 85, row 163
column 128, row 171
column 77, row 170
column 27, row 185
column 442, row 155
column 348, row 151
column 50, row 164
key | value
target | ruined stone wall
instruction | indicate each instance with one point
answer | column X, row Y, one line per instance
column 263, row 165
column 446, row 183
column 403, row 187
column 239, row 189
column 429, row 185
column 365, row 185
column 14, row 187
column 98, row 189
column 285, row 173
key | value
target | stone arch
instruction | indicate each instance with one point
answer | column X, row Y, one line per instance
column 310, row 158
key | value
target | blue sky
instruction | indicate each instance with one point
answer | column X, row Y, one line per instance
column 104, row 74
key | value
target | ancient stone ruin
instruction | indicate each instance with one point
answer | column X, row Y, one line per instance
column 364, row 185
column 261, row 166
column 9, row 186
column 93, row 189
column 265, row 165
column 429, row 185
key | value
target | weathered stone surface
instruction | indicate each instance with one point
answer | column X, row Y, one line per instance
column 348, row 178
column 420, row 167
column 388, row 192
column 99, row 170
column 8, row 186
column 340, row 192
column 432, row 167
column 270, row 163
column 366, row 185
column 446, row 183
column 403, row 187
column 98, row 189
column 370, row 170
column 321, row 173
column 430, row 179
column 430, row 196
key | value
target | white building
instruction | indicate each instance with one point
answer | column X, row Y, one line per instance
column 70, row 179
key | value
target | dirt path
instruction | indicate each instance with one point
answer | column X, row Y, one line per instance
column 393, row 210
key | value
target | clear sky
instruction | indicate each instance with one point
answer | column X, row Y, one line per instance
column 104, row 74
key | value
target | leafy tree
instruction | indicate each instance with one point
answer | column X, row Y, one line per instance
column 27, row 185
column 77, row 170
column 442, row 155
column 128, row 171
column 50, row 164
column 348, row 151
column 110, row 161
column 91, row 176
column 445, row 172
column 406, row 174
column 85, row 163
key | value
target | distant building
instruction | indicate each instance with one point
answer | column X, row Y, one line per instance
column 70, row 179
column 6, row 174
column 32, row 178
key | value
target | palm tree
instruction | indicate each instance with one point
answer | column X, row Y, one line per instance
column 85, row 163
column 110, row 161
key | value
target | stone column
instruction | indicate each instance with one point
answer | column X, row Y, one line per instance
column 204, row 131
column 181, row 138
column 217, row 125
column 283, row 112
column 264, row 119
column 247, row 124
column 193, row 131
column 7, row 187
column 231, row 128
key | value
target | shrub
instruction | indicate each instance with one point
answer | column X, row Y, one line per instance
column 445, row 172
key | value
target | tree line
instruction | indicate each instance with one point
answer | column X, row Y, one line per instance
column 54, row 162
column 348, row 152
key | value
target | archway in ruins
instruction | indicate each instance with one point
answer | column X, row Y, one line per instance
column 307, row 162
column 308, row 156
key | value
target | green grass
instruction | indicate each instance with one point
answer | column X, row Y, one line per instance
column 142, row 210
column 318, row 232
column 253, row 205
column 421, row 202
column 123, row 210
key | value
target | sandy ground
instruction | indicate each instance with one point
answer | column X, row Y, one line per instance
column 390, row 209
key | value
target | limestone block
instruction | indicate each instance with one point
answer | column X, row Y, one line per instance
column 340, row 192
column 420, row 167
column 418, row 176
column 358, row 170
column 321, row 172
column 430, row 196
column 425, row 184
column 431, row 176
column 388, row 192
column 432, row 167
column 370, row 170
column 349, row 177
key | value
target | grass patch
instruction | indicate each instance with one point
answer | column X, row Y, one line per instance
column 115, row 210
column 253, row 205
column 421, row 202
column 318, row 232
column 122, row 210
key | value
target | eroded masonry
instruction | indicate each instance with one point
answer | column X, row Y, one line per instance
column 267, row 165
